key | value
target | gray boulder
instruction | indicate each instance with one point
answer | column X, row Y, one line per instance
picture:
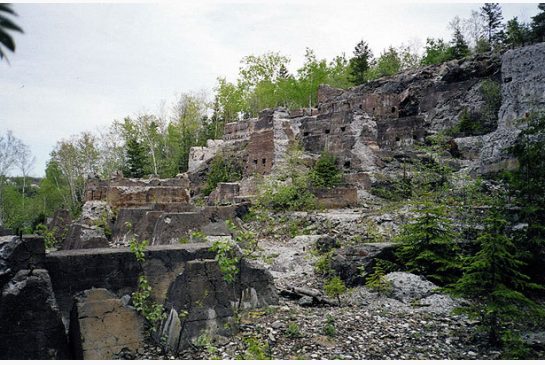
column 18, row 254
column 407, row 287
column 349, row 262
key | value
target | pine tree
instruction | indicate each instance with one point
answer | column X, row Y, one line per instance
column 516, row 33
column 538, row 24
column 427, row 245
column 492, row 17
column 360, row 63
column 527, row 185
column 493, row 281
column 459, row 48
column 135, row 163
column 325, row 173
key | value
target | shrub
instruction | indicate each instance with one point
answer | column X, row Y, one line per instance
column 334, row 287
column 325, row 173
column 322, row 266
column 288, row 196
column 377, row 280
column 293, row 330
column 329, row 327
column 221, row 170
column 256, row 350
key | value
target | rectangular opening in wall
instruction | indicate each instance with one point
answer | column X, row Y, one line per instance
column 327, row 131
column 306, row 134
column 343, row 129
column 255, row 162
column 263, row 161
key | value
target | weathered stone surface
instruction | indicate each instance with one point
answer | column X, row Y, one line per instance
column 224, row 194
column 30, row 321
column 338, row 197
column 117, row 270
column 170, row 227
column 326, row 243
column 59, row 225
column 101, row 326
column 407, row 287
column 122, row 193
column 523, row 91
column 82, row 236
column 19, row 254
column 348, row 261
column 200, row 155
column 201, row 293
column 94, row 212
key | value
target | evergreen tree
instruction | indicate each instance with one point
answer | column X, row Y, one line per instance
column 136, row 159
column 459, row 48
column 360, row 63
column 527, row 185
column 325, row 173
column 516, row 33
column 493, row 281
column 427, row 245
column 492, row 17
column 538, row 24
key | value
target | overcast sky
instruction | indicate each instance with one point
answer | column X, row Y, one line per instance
column 80, row 66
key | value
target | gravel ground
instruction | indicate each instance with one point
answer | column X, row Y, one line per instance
column 289, row 331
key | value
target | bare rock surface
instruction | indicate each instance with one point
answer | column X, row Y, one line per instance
column 31, row 326
column 101, row 326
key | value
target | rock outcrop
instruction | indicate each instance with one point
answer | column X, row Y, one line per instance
column 101, row 326
column 31, row 326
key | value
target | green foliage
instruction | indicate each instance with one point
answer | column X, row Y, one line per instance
column 377, row 281
column 293, row 330
column 204, row 342
column 292, row 195
column 256, row 350
column 322, row 266
column 436, row 52
column 144, row 304
column 492, row 279
column 227, row 259
column 360, row 63
column 388, row 64
column 459, row 48
column 538, row 24
column 492, row 17
column 491, row 91
column 329, row 326
column 325, row 173
column 136, row 159
column 138, row 248
column 222, row 170
column 427, row 245
column 527, row 186
column 265, row 82
column 517, row 34
column 394, row 190
column 334, row 287
column 50, row 236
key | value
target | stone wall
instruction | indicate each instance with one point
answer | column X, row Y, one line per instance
column 122, row 193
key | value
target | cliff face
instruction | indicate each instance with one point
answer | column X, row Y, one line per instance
column 377, row 127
